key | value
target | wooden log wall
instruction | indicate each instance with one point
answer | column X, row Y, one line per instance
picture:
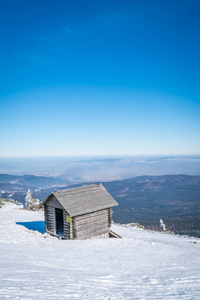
column 49, row 218
column 82, row 227
column 92, row 224
column 109, row 216
column 53, row 202
column 66, row 226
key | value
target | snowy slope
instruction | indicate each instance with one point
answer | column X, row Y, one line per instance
column 141, row 265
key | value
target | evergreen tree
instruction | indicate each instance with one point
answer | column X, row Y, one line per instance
column 30, row 201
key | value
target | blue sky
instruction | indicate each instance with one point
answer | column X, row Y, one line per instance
column 99, row 77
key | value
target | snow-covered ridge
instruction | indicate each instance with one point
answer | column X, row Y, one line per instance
column 141, row 265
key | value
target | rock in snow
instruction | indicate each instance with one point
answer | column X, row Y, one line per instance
column 141, row 265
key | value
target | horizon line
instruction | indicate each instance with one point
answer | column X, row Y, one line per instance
column 102, row 155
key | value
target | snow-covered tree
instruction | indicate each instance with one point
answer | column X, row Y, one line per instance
column 30, row 201
column 162, row 225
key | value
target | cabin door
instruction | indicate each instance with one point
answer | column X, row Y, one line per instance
column 59, row 222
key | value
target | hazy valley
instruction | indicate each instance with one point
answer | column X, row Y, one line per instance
column 142, row 199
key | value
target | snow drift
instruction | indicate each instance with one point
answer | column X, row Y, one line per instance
column 141, row 265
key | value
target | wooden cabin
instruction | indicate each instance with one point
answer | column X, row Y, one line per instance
column 79, row 213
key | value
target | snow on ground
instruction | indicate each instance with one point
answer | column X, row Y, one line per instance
column 141, row 265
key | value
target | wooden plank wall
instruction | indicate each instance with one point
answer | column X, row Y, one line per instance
column 49, row 218
column 82, row 227
column 93, row 224
column 53, row 202
column 109, row 216
column 66, row 226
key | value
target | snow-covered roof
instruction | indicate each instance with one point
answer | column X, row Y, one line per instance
column 84, row 199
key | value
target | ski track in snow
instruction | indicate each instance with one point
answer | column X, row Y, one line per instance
column 141, row 265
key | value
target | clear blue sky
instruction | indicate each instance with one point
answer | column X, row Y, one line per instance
column 99, row 77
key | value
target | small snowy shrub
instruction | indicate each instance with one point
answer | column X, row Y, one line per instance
column 3, row 201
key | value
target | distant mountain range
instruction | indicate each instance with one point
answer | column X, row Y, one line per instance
column 146, row 199
column 143, row 199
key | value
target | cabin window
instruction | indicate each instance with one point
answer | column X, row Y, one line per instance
column 59, row 222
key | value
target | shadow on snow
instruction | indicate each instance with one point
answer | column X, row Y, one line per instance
column 35, row 225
